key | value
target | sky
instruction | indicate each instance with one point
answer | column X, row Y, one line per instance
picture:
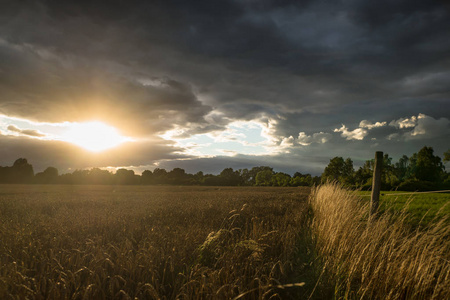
column 205, row 85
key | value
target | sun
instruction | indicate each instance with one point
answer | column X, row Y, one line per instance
column 94, row 136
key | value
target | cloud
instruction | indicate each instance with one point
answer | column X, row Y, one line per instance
column 357, row 134
column 428, row 127
column 423, row 126
column 393, row 136
column 29, row 132
column 67, row 88
column 421, row 84
column 404, row 122
column 320, row 137
column 369, row 125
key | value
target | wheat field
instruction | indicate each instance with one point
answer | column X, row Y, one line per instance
column 127, row 242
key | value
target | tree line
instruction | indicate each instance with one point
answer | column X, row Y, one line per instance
column 22, row 172
column 421, row 171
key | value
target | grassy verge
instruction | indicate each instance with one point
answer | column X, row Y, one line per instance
column 380, row 257
column 422, row 208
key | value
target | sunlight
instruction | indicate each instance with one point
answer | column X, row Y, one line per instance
column 93, row 136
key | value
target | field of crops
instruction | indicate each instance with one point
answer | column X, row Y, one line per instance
column 122, row 242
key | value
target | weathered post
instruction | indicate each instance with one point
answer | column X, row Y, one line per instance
column 376, row 182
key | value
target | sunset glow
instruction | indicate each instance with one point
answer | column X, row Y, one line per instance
column 93, row 136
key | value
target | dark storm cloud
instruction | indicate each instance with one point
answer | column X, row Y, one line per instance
column 37, row 85
column 305, row 66
column 307, row 57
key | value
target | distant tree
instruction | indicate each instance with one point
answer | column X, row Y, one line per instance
column 199, row 178
column 339, row 170
column 99, row 176
column 159, row 176
column 363, row 177
column 177, row 176
column 389, row 178
column 254, row 171
column 246, row 177
column 348, row 172
column 211, row 180
column 21, row 171
column 147, row 177
column 229, row 177
column 300, row 179
column 428, row 167
column 334, row 169
column 447, row 156
column 66, row 178
column 80, row 177
column 264, row 178
column 124, row 176
column 401, row 168
column 49, row 175
column 281, row 179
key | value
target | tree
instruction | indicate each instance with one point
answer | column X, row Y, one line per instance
column 363, row 177
column 281, row 179
column 50, row 175
column 401, row 168
column 159, row 175
column 21, row 171
column 229, row 177
column 254, row 171
column 264, row 178
column 347, row 172
column 99, row 176
column 147, row 177
column 199, row 177
column 427, row 166
column 300, row 179
column 339, row 170
column 333, row 170
column 177, row 176
column 80, row 177
column 124, row 176
column 447, row 156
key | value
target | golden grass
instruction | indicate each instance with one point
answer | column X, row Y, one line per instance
column 378, row 257
column 102, row 242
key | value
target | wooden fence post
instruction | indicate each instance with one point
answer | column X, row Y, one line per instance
column 376, row 182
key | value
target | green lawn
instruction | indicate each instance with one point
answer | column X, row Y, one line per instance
column 421, row 207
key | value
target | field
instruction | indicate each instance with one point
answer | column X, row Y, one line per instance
column 170, row 242
column 422, row 208
column 122, row 242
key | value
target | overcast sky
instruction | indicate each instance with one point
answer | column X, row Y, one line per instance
column 205, row 85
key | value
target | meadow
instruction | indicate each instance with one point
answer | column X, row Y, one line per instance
column 422, row 208
column 158, row 242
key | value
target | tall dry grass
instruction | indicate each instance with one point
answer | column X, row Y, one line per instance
column 378, row 257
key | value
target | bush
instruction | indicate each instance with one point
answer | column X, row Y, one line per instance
column 417, row 186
